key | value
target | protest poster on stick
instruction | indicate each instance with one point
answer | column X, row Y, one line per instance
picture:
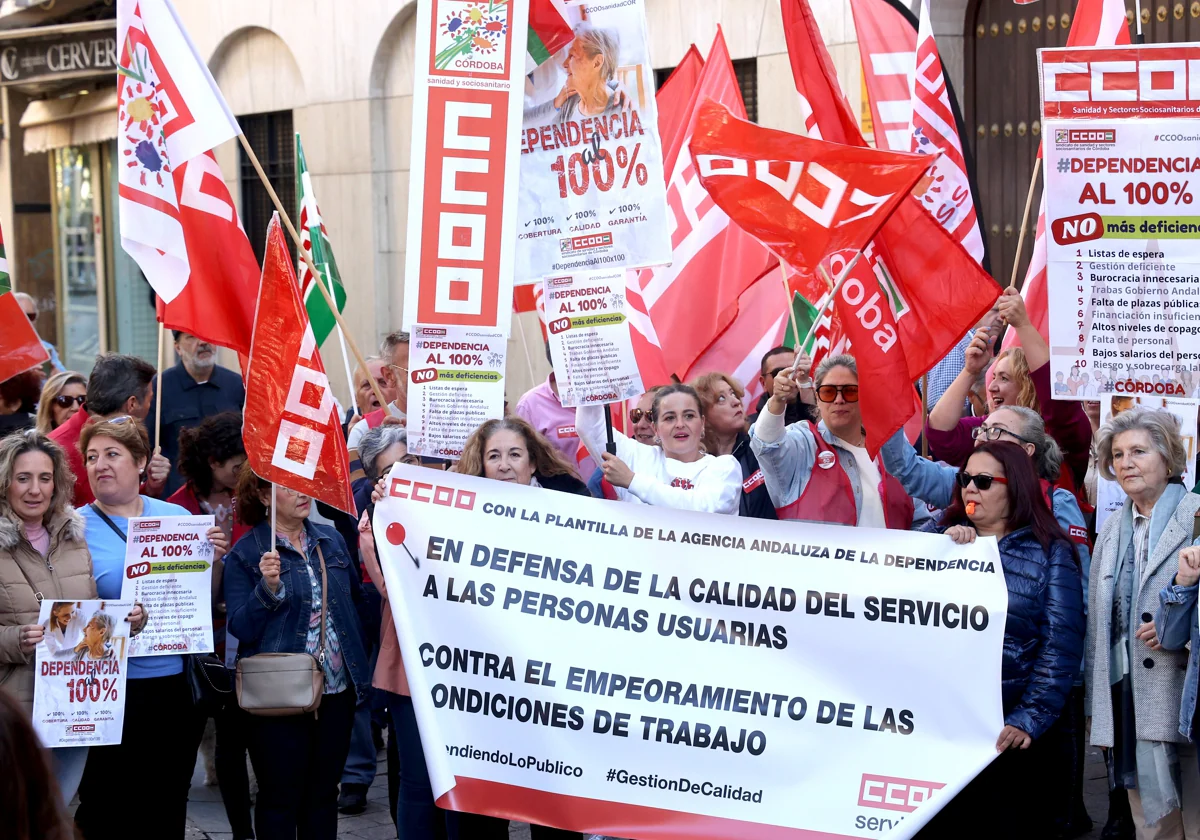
column 589, row 338
column 456, row 383
column 1122, row 129
column 592, row 191
column 168, row 570
column 79, row 685
column 647, row 672
column 466, row 126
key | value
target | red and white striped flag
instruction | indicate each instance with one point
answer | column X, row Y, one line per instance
column 1098, row 23
column 947, row 194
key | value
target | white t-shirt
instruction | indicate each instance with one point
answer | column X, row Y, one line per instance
column 361, row 428
column 711, row 484
column 868, row 473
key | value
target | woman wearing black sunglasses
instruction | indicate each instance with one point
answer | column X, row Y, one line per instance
column 998, row 495
column 823, row 473
column 62, row 397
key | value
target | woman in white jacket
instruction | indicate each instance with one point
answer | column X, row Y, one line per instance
column 676, row 474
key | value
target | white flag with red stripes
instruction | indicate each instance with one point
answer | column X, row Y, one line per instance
column 1098, row 23
column 947, row 188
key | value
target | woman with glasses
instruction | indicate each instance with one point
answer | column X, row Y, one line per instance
column 1020, row 376
column 1136, row 685
column 160, row 720
column 62, row 396
column 725, row 434
column 823, row 473
column 997, row 495
column 678, row 473
column 273, row 594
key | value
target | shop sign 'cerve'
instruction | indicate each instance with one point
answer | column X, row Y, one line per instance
column 64, row 57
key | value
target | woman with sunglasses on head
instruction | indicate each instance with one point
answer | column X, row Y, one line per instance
column 725, row 434
column 823, row 473
column 678, row 473
column 160, row 720
column 62, row 396
column 1136, row 685
column 1019, row 376
column 276, row 595
column 997, row 495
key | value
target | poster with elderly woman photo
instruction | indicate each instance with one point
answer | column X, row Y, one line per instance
column 79, row 683
column 592, row 191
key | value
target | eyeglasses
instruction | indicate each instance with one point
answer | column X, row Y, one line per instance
column 777, row 371
column 982, row 481
column 63, row 401
column 829, row 393
column 985, row 432
column 637, row 415
column 32, row 316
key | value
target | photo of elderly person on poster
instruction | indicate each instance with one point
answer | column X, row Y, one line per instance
column 97, row 640
column 591, row 87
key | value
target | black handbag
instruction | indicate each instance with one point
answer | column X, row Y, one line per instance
column 210, row 682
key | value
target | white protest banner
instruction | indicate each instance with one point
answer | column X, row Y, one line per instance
column 168, row 570
column 645, row 672
column 1122, row 129
column 456, row 383
column 589, row 338
column 593, row 194
column 1109, row 495
column 79, row 686
column 466, row 126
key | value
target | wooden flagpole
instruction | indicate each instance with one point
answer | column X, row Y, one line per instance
column 1037, row 167
column 924, row 414
column 787, row 300
column 834, row 288
column 158, row 395
column 291, row 229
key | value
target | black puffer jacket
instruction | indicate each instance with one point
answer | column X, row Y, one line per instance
column 756, row 501
column 1043, row 633
column 563, row 484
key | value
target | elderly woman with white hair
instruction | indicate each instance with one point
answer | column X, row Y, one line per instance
column 591, row 88
column 1135, row 684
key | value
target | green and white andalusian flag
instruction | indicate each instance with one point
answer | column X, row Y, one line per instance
column 5, row 280
column 313, row 239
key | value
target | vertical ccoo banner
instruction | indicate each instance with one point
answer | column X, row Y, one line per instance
column 467, row 99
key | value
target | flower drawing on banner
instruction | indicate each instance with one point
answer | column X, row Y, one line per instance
column 933, row 190
column 495, row 360
column 478, row 28
column 142, row 113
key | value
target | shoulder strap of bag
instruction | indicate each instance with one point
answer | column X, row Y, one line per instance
column 324, row 596
column 109, row 522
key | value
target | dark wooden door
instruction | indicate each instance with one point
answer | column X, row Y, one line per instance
column 1002, row 106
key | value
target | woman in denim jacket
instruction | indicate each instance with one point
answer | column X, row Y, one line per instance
column 273, row 599
column 1177, row 620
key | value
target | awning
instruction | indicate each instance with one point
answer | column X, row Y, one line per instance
column 72, row 121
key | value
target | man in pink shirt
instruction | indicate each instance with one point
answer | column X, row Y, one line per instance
column 539, row 406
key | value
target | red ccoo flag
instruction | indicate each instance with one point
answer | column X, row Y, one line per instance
column 291, row 429
column 1098, row 23
column 917, row 291
column 20, row 347
column 804, row 199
